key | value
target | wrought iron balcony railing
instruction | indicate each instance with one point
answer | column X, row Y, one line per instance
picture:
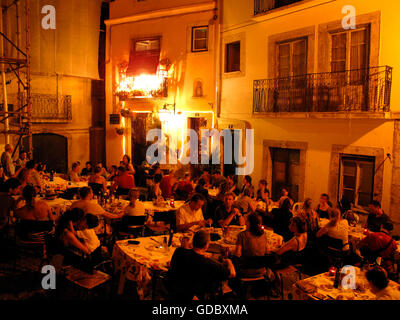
column 261, row 6
column 51, row 107
column 352, row 90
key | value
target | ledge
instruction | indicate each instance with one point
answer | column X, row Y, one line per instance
column 288, row 9
column 330, row 115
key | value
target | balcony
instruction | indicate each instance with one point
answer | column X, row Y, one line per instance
column 362, row 90
column 50, row 108
column 262, row 6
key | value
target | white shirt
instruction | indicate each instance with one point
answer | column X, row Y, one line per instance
column 388, row 294
column 90, row 239
column 88, row 206
column 138, row 210
column 185, row 215
column 340, row 231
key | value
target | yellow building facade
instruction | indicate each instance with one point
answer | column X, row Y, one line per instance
column 324, row 115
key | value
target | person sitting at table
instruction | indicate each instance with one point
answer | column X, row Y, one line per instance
column 11, row 188
column 379, row 244
column 88, row 170
column 113, row 173
column 74, row 173
column 324, row 207
column 123, row 182
column 192, row 274
column 228, row 213
column 31, row 176
column 232, row 181
column 248, row 185
column 189, row 217
column 217, row 179
column 244, row 201
column 98, row 178
column 42, row 170
column 126, row 163
column 379, row 285
column 166, row 184
column 376, row 216
column 88, row 206
column 184, row 188
column 104, row 173
column 336, row 228
column 283, row 214
column 201, row 188
column 34, row 209
column 263, row 192
column 308, row 214
column 83, row 248
column 351, row 217
column 253, row 242
column 206, row 177
column 291, row 251
column 155, row 190
column 22, row 160
column 135, row 207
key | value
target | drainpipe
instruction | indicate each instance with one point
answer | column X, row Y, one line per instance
column 218, row 50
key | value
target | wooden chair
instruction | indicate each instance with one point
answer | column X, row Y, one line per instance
column 31, row 239
column 130, row 226
column 285, row 273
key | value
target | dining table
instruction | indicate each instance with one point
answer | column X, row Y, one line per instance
column 321, row 287
column 142, row 260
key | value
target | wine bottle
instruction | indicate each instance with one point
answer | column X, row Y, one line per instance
column 337, row 278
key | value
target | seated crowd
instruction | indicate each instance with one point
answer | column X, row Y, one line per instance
column 307, row 230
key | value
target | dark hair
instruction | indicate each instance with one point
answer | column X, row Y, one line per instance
column 255, row 222
column 248, row 179
column 157, row 178
column 30, row 164
column 197, row 197
column 92, row 221
column 201, row 182
column 263, row 182
column 97, row 169
column 127, row 157
column 305, row 204
column 217, row 172
column 88, row 162
column 73, row 215
column 29, row 193
column 377, row 276
column 300, row 224
column 233, row 177
column 74, row 165
column 375, row 203
column 387, row 226
column 325, row 195
column 121, row 168
column 11, row 183
column 41, row 166
column 114, row 167
column 84, row 191
column 200, row 239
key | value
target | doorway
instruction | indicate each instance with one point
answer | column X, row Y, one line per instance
column 285, row 172
column 42, row 143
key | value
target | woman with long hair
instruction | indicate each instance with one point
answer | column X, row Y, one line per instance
column 308, row 214
column 253, row 242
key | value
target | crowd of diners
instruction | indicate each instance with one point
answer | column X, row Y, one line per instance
column 192, row 274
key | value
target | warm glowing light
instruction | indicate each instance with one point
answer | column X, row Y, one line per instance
column 123, row 136
column 144, row 85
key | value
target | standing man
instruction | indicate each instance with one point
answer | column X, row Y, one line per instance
column 7, row 161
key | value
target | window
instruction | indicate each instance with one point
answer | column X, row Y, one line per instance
column 144, row 57
column 350, row 52
column 232, row 57
column 292, row 58
column 199, row 39
column 356, row 179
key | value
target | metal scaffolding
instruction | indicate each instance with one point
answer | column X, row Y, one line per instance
column 18, row 121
